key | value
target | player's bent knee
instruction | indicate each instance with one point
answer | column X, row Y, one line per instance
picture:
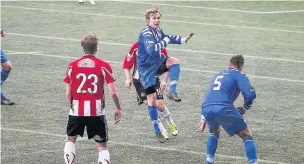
column 7, row 66
column 244, row 133
column 171, row 61
column 216, row 132
column 71, row 139
column 102, row 146
column 160, row 105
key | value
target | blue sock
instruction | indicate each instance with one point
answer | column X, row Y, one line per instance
column 174, row 76
column 211, row 147
column 250, row 149
column 4, row 75
column 154, row 117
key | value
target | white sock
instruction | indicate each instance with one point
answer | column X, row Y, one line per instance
column 69, row 153
column 104, row 157
column 160, row 125
column 167, row 115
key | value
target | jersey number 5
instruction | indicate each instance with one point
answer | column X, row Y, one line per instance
column 91, row 90
column 217, row 81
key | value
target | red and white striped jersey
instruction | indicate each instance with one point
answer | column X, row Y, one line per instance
column 87, row 77
column 130, row 59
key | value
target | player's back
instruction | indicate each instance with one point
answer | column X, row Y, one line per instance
column 223, row 88
column 87, row 77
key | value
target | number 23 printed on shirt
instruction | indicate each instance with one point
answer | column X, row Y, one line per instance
column 93, row 88
column 217, row 81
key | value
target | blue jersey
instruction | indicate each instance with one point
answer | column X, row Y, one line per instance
column 225, row 87
column 150, row 43
column 149, row 58
column 3, row 57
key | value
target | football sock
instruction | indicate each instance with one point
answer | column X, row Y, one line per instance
column 69, row 153
column 174, row 76
column 160, row 125
column 104, row 157
column 167, row 115
column 154, row 117
column 250, row 149
column 4, row 75
column 211, row 147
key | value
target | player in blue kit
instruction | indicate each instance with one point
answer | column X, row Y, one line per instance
column 218, row 109
column 150, row 63
column 6, row 68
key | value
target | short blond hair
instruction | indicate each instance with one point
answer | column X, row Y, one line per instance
column 151, row 11
column 89, row 44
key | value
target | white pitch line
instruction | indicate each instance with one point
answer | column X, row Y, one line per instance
column 17, row 53
column 137, row 145
column 185, row 69
column 172, row 49
column 172, row 21
column 218, row 9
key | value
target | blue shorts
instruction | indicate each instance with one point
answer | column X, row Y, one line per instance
column 227, row 117
column 148, row 76
column 3, row 57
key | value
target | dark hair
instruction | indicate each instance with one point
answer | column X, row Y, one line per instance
column 89, row 44
column 237, row 60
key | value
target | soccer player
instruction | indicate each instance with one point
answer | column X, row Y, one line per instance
column 6, row 68
column 85, row 79
column 150, row 63
column 218, row 109
column 128, row 64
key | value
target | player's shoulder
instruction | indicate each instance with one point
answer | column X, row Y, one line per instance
column 102, row 63
column 146, row 31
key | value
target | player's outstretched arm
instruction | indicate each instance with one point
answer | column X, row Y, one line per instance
column 114, row 95
column 153, row 47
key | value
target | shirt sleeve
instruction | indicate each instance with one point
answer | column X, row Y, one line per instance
column 130, row 58
column 174, row 39
column 68, row 74
column 108, row 73
column 247, row 90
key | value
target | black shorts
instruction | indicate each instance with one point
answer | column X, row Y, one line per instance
column 162, row 68
column 141, row 94
column 96, row 127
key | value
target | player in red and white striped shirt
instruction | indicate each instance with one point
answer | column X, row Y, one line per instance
column 85, row 79
column 129, row 64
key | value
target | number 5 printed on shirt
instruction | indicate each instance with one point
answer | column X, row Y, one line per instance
column 217, row 81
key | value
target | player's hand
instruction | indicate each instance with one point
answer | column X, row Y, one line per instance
column 201, row 126
column 2, row 33
column 128, row 83
column 163, row 86
column 117, row 115
column 189, row 37
column 241, row 110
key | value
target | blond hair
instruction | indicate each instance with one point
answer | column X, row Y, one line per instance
column 151, row 11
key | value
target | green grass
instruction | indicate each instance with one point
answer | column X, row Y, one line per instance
column 33, row 131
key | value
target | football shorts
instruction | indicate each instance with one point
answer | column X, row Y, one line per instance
column 227, row 117
column 141, row 94
column 96, row 127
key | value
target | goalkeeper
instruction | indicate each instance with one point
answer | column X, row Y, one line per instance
column 150, row 63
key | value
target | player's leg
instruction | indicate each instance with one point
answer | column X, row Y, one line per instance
column 233, row 123
column 142, row 98
column 98, row 130
column 250, row 146
column 214, row 133
column 75, row 127
column 165, row 114
column 173, row 64
column 6, row 68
